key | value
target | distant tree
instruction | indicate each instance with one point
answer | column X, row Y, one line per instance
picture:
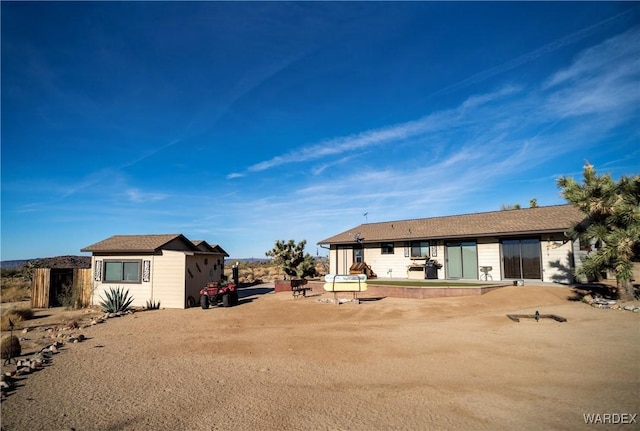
column 509, row 207
column 612, row 225
column 292, row 258
column 533, row 203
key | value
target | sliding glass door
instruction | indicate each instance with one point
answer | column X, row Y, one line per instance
column 462, row 260
column 521, row 258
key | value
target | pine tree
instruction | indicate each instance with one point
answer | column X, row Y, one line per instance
column 612, row 225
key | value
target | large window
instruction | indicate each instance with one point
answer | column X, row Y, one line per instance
column 122, row 271
column 420, row 249
column 387, row 247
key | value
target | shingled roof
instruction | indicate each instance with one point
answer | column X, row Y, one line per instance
column 205, row 246
column 538, row 220
column 136, row 243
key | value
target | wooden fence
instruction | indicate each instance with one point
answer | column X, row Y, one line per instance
column 45, row 286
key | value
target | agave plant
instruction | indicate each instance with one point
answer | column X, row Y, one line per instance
column 153, row 305
column 117, row 300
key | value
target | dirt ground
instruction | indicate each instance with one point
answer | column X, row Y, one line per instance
column 279, row 363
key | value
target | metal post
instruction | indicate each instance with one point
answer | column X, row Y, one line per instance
column 10, row 358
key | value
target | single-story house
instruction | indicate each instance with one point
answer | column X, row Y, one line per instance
column 166, row 268
column 515, row 244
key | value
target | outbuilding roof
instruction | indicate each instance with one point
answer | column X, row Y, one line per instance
column 205, row 246
column 147, row 244
column 524, row 221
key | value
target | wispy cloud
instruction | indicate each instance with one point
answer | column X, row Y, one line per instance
column 137, row 196
column 602, row 80
column 393, row 134
column 532, row 55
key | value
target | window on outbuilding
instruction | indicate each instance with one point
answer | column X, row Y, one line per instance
column 386, row 247
column 122, row 271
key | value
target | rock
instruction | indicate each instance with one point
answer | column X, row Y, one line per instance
column 23, row 370
column 587, row 299
column 81, row 337
column 9, row 380
column 25, row 330
column 637, row 310
column 629, row 307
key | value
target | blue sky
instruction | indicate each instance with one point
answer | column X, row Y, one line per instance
column 244, row 123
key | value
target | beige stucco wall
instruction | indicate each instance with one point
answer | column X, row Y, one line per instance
column 384, row 265
column 201, row 269
column 140, row 292
column 168, row 279
column 388, row 265
column 557, row 259
column 489, row 255
column 340, row 260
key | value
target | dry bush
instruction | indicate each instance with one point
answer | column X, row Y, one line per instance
column 16, row 315
column 265, row 271
column 15, row 289
column 10, row 347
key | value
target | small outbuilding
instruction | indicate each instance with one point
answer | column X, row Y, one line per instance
column 166, row 268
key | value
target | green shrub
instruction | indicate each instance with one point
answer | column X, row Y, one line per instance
column 10, row 347
column 116, row 300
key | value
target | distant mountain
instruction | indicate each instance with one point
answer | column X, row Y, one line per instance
column 50, row 262
column 13, row 264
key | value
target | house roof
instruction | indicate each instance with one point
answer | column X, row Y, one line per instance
column 537, row 220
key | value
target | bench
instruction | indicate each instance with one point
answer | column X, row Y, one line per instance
column 299, row 287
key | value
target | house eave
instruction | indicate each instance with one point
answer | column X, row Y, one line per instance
column 453, row 237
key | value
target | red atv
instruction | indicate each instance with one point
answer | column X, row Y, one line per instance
column 215, row 294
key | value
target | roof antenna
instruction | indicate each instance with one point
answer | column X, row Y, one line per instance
column 366, row 219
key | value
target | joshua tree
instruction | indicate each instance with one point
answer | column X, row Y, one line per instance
column 612, row 224
column 292, row 259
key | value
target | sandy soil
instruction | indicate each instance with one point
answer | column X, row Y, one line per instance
column 279, row 363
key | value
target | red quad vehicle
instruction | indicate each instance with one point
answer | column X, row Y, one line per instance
column 214, row 294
